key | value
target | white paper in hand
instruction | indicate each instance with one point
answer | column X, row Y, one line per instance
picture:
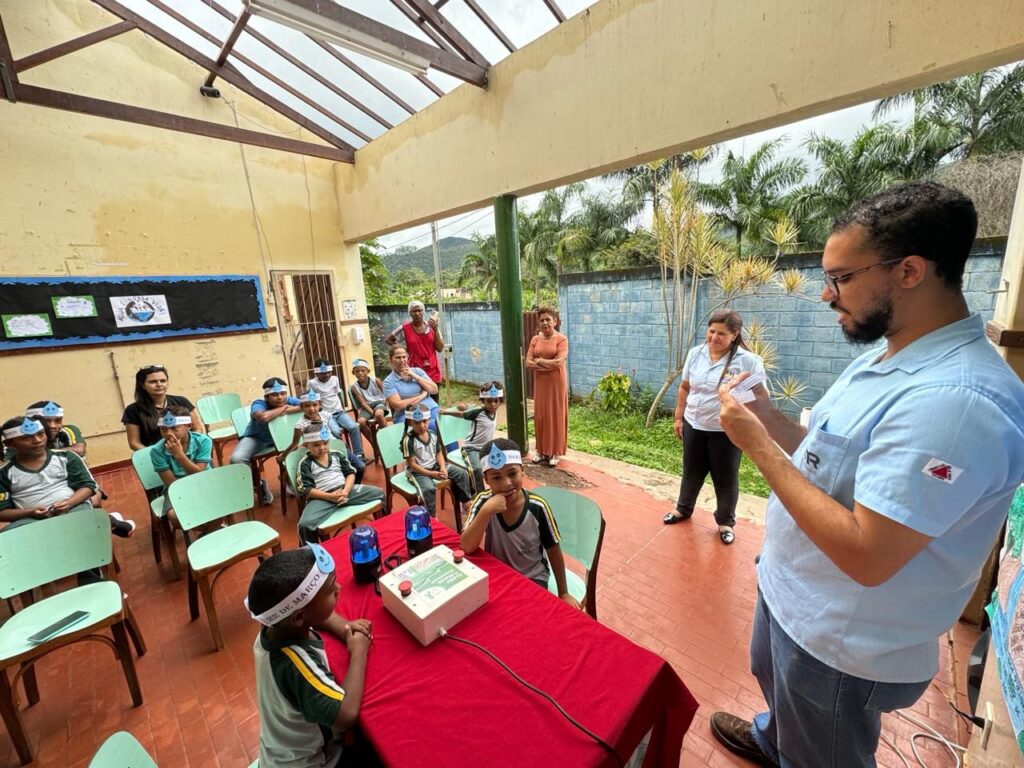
column 744, row 391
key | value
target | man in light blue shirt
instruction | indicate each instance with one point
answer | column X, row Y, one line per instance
column 879, row 524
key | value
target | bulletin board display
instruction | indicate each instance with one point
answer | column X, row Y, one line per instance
column 57, row 312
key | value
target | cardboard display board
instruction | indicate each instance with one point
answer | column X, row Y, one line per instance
column 55, row 312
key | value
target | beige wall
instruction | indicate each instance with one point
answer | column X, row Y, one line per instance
column 633, row 80
column 87, row 196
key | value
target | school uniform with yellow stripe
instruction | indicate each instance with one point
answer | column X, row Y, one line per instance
column 522, row 544
column 298, row 700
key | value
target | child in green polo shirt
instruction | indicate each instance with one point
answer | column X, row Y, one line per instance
column 303, row 709
column 180, row 452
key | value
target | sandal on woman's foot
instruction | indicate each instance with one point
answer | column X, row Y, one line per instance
column 536, row 458
column 121, row 527
column 674, row 517
column 727, row 536
column 553, row 461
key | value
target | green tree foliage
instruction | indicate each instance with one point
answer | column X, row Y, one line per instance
column 977, row 114
column 751, row 190
column 480, row 268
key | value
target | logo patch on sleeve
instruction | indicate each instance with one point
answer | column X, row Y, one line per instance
column 942, row 470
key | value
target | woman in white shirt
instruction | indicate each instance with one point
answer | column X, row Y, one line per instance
column 706, row 447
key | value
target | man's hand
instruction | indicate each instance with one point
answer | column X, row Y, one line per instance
column 744, row 429
column 567, row 598
column 443, row 473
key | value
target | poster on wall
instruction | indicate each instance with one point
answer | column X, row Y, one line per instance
column 41, row 312
column 139, row 311
column 69, row 307
column 24, row 326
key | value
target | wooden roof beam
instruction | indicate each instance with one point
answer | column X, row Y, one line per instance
column 553, row 7
column 70, row 46
column 226, row 72
column 256, row 34
column 259, row 69
column 468, row 71
column 8, row 74
column 489, row 23
column 229, row 43
column 448, row 30
column 86, row 105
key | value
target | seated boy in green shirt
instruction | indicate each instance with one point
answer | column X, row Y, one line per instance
column 303, row 710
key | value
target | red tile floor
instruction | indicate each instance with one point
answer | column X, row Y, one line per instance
column 674, row 589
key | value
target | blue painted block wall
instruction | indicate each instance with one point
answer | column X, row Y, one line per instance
column 615, row 322
column 473, row 330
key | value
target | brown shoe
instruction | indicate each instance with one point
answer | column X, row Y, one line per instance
column 737, row 736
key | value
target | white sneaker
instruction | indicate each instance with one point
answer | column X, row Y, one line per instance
column 266, row 495
column 536, row 458
column 553, row 461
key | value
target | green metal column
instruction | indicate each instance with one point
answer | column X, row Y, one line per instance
column 510, row 294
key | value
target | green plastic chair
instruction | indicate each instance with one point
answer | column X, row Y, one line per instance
column 581, row 526
column 207, row 497
column 455, row 429
column 122, row 750
column 217, row 409
column 389, row 441
column 282, row 430
column 240, row 419
column 347, row 515
column 43, row 552
column 159, row 527
column 289, row 479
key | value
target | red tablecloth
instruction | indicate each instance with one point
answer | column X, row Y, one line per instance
column 449, row 704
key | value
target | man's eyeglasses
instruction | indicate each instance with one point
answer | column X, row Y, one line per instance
column 832, row 282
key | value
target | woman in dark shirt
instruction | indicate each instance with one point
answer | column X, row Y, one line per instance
column 151, row 399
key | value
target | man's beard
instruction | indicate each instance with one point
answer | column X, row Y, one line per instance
column 872, row 327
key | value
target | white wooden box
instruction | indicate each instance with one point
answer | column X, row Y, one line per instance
column 443, row 594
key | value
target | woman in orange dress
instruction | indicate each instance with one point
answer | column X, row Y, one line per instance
column 546, row 358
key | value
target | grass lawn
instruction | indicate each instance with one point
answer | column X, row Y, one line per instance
column 622, row 436
column 626, row 437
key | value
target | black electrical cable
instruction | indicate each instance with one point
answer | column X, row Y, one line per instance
column 607, row 747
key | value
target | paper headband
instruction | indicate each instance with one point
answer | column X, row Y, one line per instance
column 309, row 397
column 417, row 414
column 277, row 389
column 493, row 393
column 27, row 428
column 323, row 567
column 498, row 458
column 49, row 411
column 324, row 368
column 170, row 421
column 315, row 437
column 360, row 363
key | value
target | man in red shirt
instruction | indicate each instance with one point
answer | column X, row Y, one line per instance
column 422, row 340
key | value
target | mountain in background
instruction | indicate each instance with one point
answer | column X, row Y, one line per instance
column 450, row 250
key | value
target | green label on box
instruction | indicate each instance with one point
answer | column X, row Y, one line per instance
column 436, row 574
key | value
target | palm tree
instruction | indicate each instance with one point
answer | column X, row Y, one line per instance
column 543, row 241
column 645, row 183
column 600, row 225
column 480, row 268
column 848, row 172
column 750, row 191
column 976, row 114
